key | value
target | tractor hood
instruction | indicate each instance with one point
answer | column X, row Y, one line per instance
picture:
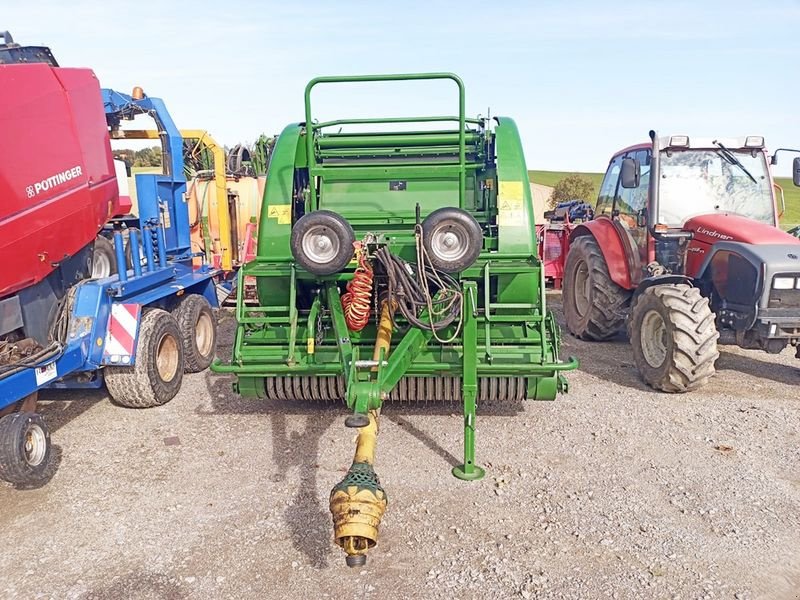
column 723, row 227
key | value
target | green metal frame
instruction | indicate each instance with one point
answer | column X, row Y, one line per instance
column 507, row 330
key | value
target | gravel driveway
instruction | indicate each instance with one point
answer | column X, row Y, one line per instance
column 610, row 491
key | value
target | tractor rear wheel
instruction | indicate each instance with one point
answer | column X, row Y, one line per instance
column 594, row 306
column 156, row 376
column 674, row 337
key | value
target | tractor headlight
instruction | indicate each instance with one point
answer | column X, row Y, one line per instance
column 783, row 283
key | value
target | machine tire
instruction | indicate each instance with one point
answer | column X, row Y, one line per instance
column 104, row 259
column 326, row 225
column 601, row 313
column 457, row 226
column 26, row 456
column 688, row 340
column 198, row 326
column 146, row 383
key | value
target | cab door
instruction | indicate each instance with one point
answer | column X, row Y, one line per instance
column 629, row 213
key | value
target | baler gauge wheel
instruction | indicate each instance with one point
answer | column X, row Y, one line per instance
column 453, row 239
column 322, row 242
column 25, row 451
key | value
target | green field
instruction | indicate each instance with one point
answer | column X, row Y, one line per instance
column 791, row 193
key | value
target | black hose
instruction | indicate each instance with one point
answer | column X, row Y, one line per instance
column 406, row 286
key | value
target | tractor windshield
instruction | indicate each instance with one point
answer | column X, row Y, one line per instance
column 698, row 182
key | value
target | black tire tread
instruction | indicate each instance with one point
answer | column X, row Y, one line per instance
column 694, row 335
column 336, row 223
column 186, row 313
column 471, row 227
column 609, row 302
column 13, row 467
column 135, row 386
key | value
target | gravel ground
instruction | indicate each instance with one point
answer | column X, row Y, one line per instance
column 610, row 491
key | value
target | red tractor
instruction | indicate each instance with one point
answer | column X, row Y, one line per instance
column 685, row 248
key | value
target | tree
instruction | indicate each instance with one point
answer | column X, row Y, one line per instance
column 572, row 187
column 148, row 157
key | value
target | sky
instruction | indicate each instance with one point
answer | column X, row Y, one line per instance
column 581, row 79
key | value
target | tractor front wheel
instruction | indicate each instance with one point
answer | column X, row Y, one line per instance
column 674, row 337
column 594, row 306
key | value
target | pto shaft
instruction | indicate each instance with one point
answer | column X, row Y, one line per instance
column 358, row 502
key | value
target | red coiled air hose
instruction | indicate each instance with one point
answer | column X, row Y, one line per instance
column 356, row 302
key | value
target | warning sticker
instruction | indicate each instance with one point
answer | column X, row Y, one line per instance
column 282, row 212
column 510, row 208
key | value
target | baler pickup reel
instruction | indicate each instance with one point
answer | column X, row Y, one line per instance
column 396, row 266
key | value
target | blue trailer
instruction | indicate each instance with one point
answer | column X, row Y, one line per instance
column 135, row 332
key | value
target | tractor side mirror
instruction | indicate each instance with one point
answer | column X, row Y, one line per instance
column 796, row 171
column 630, row 173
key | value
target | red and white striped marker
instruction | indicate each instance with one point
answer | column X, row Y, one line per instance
column 121, row 334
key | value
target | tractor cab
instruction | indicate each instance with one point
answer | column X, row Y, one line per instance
column 703, row 189
column 685, row 250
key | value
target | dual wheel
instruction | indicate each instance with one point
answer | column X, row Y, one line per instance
column 322, row 241
column 168, row 345
column 670, row 326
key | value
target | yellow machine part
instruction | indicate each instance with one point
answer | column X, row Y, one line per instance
column 251, row 191
column 358, row 502
column 203, row 195
column 357, row 510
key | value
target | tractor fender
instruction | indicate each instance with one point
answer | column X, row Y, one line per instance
column 611, row 246
column 649, row 282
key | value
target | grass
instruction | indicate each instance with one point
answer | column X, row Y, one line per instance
column 791, row 193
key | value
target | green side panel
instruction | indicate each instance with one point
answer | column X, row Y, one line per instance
column 515, row 218
column 274, row 231
column 275, row 224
